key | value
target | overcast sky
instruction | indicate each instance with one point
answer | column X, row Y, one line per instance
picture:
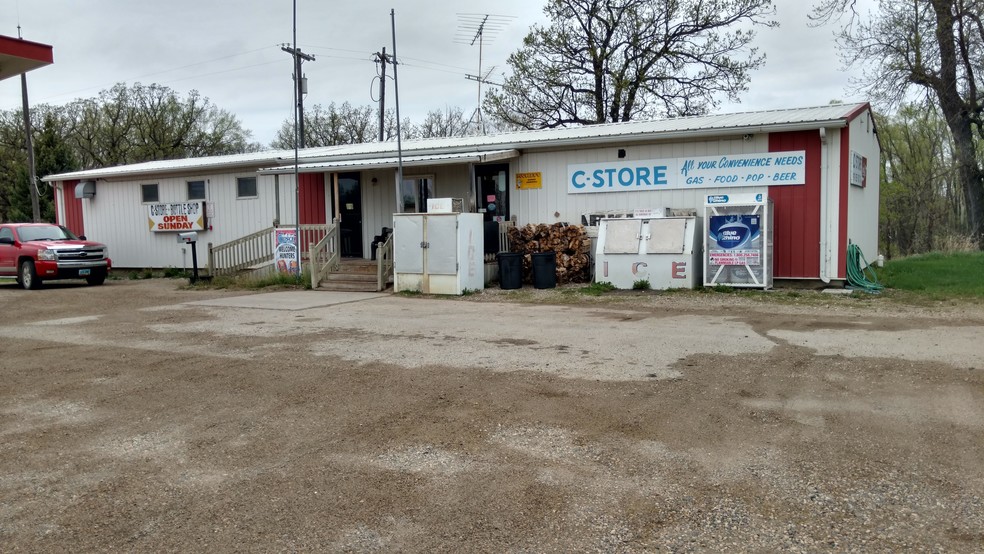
column 229, row 51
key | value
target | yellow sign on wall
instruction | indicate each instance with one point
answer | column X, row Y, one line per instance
column 529, row 180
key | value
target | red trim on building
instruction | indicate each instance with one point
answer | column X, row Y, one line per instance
column 20, row 56
column 796, row 211
column 843, row 189
column 312, row 198
column 72, row 218
column 860, row 110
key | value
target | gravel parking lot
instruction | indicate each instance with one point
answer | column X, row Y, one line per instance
column 144, row 416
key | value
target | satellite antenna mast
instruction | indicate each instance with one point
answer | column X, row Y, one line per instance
column 478, row 28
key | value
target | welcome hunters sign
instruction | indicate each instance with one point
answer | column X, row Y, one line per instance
column 743, row 170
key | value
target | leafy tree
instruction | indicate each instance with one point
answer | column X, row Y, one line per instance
column 617, row 60
column 141, row 123
column 933, row 47
column 51, row 155
column 122, row 125
column 920, row 198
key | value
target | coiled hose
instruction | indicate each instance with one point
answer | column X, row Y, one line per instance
column 858, row 270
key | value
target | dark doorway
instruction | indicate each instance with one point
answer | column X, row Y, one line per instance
column 350, row 210
column 492, row 190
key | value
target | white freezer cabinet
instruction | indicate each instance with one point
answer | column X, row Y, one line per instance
column 664, row 251
column 438, row 253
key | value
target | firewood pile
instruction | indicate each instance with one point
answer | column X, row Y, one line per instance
column 570, row 242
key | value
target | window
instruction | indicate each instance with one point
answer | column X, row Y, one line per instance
column 150, row 193
column 6, row 233
column 414, row 192
column 246, row 187
column 196, row 190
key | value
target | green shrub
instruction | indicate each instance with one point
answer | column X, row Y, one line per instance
column 597, row 288
column 641, row 284
column 175, row 273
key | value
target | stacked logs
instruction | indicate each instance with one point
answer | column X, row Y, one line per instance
column 570, row 242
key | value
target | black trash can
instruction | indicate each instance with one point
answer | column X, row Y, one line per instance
column 510, row 270
column 545, row 270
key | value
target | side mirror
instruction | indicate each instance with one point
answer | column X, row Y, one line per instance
column 6, row 240
column 82, row 237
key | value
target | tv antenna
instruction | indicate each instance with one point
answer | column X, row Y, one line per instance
column 479, row 28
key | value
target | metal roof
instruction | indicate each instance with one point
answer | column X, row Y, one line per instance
column 389, row 162
column 794, row 119
column 250, row 161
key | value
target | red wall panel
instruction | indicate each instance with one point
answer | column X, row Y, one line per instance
column 312, row 198
column 72, row 218
column 796, row 210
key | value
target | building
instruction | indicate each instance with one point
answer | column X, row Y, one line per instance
column 818, row 165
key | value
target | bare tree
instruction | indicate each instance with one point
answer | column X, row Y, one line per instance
column 617, row 60
column 449, row 122
column 931, row 46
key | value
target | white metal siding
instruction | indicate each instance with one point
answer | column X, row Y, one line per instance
column 862, row 203
column 552, row 203
column 117, row 217
column 379, row 199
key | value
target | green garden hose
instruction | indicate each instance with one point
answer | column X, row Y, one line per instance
column 858, row 270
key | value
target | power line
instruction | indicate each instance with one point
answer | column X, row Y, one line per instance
column 175, row 80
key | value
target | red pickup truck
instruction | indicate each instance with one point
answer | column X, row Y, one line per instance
column 36, row 252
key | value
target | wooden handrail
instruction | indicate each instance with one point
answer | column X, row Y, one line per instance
column 325, row 255
column 242, row 253
column 256, row 249
column 384, row 263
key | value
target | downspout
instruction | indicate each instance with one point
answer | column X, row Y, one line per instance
column 825, row 232
column 276, row 200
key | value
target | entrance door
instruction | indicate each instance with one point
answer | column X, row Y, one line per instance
column 492, row 189
column 350, row 210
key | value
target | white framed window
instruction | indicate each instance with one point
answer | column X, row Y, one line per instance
column 149, row 193
column 414, row 192
column 246, row 187
column 196, row 190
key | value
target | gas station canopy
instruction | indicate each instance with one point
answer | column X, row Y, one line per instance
column 20, row 56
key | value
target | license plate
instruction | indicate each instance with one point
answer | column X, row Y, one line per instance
column 84, row 272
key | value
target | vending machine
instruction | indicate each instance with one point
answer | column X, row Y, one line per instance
column 738, row 240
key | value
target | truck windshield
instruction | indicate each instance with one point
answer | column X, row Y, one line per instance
column 44, row 232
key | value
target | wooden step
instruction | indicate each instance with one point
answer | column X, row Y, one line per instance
column 353, row 277
column 348, row 286
column 354, row 274
column 356, row 265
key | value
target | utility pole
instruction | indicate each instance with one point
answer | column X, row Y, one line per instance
column 29, row 144
column 381, row 59
column 301, row 82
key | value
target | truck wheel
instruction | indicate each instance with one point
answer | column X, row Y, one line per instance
column 95, row 280
column 28, row 275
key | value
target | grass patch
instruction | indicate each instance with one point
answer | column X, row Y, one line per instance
column 597, row 289
column 936, row 276
column 276, row 280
